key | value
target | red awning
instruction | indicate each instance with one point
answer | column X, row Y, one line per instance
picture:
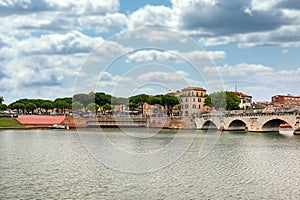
column 40, row 120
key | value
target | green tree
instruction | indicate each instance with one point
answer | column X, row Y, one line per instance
column 18, row 106
column 140, row 99
column 118, row 100
column 155, row 99
column 101, row 98
column 1, row 99
column 93, row 107
column 132, row 106
column 47, row 105
column 106, row 107
column 30, row 107
column 85, row 99
column 77, row 106
column 3, row 106
column 61, row 104
column 223, row 100
column 169, row 102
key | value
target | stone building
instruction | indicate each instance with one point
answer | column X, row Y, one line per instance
column 285, row 100
column 245, row 100
column 192, row 101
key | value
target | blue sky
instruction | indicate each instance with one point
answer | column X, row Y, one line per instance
column 53, row 48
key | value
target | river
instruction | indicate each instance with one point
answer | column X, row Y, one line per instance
column 56, row 164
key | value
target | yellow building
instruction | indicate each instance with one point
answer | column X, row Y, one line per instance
column 192, row 100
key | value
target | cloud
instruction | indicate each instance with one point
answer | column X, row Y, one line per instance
column 158, row 76
column 229, row 17
column 51, row 16
column 175, row 56
column 290, row 4
column 258, row 80
column 225, row 22
column 70, row 43
column 284, row 36
column 21, row 7
column 153, row 16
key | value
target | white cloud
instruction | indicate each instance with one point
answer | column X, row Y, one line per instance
column 175, row 56
column 159, row 16
column 260, row 81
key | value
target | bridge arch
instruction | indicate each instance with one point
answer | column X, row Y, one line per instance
column 209, row 125
column 273, row 125
column 237, row 125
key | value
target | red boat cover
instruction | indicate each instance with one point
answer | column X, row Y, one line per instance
column 40, row 120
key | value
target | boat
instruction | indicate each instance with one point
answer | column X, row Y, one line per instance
column 286, row 129
column 59, row 126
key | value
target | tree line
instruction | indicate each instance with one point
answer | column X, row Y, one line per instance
column 94, row 101
column 87, row 102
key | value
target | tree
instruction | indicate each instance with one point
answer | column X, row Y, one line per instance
column 93, row 107
column 61, row 104
column 132, row 106
column 222, row 100
column 118, row 101
column 101, row 98
column 106, row 107
column 30, row 107
column 140, row 99
column 85, row 99
column 47, row 106
column 169, row 102
column 67, row 100
column 77, row 106
column 1, row 99
column 155, row 99
column 3, row 106
column 17, row 106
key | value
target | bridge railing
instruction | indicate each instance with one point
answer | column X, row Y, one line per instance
column 252, row 113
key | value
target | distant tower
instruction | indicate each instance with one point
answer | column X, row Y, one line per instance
column 235, row 87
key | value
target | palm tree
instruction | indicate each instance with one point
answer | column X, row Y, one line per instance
column 1, row 99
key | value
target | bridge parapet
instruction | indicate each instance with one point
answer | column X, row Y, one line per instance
column 257, row 121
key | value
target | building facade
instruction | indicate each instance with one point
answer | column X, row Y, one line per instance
column 285, row 100
column 192, row 101
column 245, row 100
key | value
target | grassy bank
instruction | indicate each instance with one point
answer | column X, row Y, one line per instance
column 10, row 122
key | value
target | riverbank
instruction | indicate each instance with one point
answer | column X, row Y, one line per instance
column 10, row 123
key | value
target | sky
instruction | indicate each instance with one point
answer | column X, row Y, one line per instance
column 54, row 48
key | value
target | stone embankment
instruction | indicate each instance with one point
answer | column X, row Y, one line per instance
column 172, row 122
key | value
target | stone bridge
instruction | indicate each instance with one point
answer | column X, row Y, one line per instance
column 250, row 121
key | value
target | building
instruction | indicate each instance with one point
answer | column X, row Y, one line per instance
column 245, row 100
column 285, row 100
column 192, row 100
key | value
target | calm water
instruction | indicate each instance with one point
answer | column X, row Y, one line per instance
column 55, row 164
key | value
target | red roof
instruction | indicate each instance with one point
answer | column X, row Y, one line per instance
column 40, row 120
column 241, row 95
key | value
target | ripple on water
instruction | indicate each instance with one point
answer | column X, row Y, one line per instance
column 55, row 164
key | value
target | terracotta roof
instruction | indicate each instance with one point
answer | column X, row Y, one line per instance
column 194, row 88
column 40, row 120
column 241, row 95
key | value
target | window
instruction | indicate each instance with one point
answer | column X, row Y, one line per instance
column 194, row 106
column 199, row 99
column 199, row 106
column 193, row 99
column 186, row 99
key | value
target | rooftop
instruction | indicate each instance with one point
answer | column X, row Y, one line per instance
column 194, row 88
